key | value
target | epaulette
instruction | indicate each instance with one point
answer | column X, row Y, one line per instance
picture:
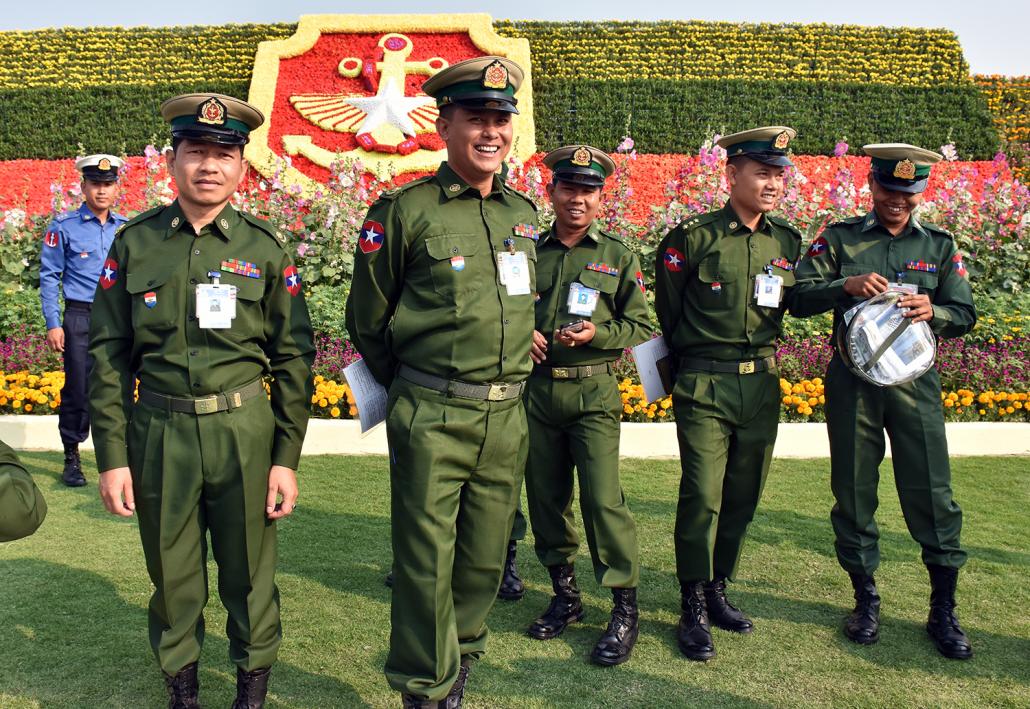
column 64, row 216
column 786, row 224
column 844, row 222
column 699, row 220
column 613, row 237
column 139, row 219
column 265, row 226
column 394, row 193
column 512, row 191
column 937, row 230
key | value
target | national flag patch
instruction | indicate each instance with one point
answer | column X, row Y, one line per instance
column 458, row 263
column 292, row 279
column 674, row 259
column 109, row 274
column 51, row 239
column 371, row 237
column 640, row 282
column 150, row 299
column 960, row 266
column 818, row 247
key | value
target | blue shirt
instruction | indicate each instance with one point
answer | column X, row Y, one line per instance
column 74, row 249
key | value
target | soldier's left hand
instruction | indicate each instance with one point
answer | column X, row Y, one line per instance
column 281, row 481
column 919, row 307
column 576, row 339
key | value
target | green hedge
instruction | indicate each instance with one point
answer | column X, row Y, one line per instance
column 676, row 116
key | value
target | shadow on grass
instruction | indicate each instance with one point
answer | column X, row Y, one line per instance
column 55, row 616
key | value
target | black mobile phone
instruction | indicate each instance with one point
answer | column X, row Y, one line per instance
column 574, row 326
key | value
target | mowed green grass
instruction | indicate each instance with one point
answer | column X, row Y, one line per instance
column 73, row 599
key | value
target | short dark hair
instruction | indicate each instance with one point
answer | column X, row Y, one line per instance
column 738, row 161
column 447, row 111
column 176, row 142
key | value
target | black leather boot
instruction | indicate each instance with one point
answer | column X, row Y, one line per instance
column 942, row 624
column 616, row 644
column 457, row 693
column 388, row 579
column 565, row 608
column 694, row 635
column 511, row 588
column 72, row 475
column 251, row 688
column 410, row 701
column 721, row 612
column 183, row 688
column 863, row 625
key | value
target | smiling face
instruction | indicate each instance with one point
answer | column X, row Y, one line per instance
column 575, row 205
column 893, row 208
column 99, row 196
column 477, row 141
column 206, row 173
column 754, row 186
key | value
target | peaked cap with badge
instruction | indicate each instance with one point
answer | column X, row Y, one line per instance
column 581, row 164
column 766, row 145
column 214, row 118
column 901, row 167
column 482, row 83
column 99, row 168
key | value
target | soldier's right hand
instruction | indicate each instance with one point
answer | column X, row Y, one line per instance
column 866, row 285
column 55, row 338
column 116, row 492
column 538, row 348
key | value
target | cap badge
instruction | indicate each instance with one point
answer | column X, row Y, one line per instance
column 211, row 112
column 581, row 157
column 782, row 140
column 495, row 76
column 104, row 164
column 905, row 170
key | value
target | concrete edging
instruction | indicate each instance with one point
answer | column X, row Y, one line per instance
column 639, row 440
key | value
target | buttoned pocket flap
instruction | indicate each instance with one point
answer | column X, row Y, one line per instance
column 448, row 246
column 142, row 281
column 711, row 271
column 248, row 289
column 601, row 281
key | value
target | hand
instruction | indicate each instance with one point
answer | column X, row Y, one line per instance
column 920, row 309
column 538, row 347
column 116, row 492
column 865, row 286
column 576, row 339
column 281, row 482
column 55, row 338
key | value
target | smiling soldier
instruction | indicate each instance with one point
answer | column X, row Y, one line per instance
column 719, row 292
column 441, row 310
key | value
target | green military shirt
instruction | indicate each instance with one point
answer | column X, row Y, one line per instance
column 923, row 254
column 602, row 262
column 705, row 279
column 426, row 290
column 145, row 325
column 22, row 507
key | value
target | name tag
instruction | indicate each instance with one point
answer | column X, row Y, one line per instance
column 514, row 272
column 768, row 290
column 582, row 300
column 216, row 305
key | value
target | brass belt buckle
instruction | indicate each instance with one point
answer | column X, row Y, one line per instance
column 207, row 405
column 497, row 392
column 559, row 373
column 746, row 367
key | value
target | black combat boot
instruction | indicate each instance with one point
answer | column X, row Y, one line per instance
column 72, row 475
column 251, row 688
column 616, row 644
column 410, row 701
column 457, row 693
column 721, row 612
column 388, row 579
column 566, row 606
column 863, row 625
column 183, row 688
column 694, row 635
column 511, row 588
column 942, row 624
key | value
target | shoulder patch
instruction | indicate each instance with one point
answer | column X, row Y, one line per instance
column 266, row 226
column 396, row 192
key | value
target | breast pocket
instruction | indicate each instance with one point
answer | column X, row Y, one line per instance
column 82, row 250
column 717, row 285
column 154, row 302
column 250, row 311
column 456, row 264
column 606, row 286
column 927, row 282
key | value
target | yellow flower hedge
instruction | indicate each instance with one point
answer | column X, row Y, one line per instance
column 24, row 393
column 1008, row 97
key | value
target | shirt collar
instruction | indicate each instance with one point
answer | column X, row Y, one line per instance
column 732, row 223
column 453, row 185
column 222, row 225
column 594, row 233
column 871, row 221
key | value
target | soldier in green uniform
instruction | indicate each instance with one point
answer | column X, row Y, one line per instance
column 22, row 507
column 719, row 292
column 441, row 310
column 202, row 304
column 590, row 280
column 852, row 261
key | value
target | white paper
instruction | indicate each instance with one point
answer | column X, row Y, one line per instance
column 515, row 273
column 646, row 356
column 369, row 395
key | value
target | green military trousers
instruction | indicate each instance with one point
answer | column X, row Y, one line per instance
column 455, row 473
column 197, row 474
column 726, row 425
column 856, row 415
column 575, row 423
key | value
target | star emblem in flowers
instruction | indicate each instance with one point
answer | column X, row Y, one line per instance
column 389, row 107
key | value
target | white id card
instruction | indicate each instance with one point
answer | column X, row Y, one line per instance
column 514, row 272
column 767, row 290
column 582, row 300
column 910, row 288
column 216, row 305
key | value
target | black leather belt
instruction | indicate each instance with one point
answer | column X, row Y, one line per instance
column 581, row 372
column 78, row 305
column 747, row 366
column 223, row 401
column 499, row 391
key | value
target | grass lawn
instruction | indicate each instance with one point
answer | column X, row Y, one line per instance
column 73, row 599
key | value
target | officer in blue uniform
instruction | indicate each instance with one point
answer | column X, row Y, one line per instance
column 74, row 248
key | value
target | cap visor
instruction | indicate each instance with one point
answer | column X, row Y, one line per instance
column 585, row 177
column 897, row 185
column 480, row 104
column 209, row 135
column 775, row 160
